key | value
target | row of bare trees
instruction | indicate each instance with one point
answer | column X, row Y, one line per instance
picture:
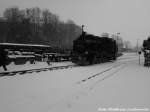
column 33, row 25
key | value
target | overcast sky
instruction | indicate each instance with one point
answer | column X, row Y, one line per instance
column 131, row 18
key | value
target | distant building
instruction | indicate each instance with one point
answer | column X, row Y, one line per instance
column 105, row 34
column 119, row 41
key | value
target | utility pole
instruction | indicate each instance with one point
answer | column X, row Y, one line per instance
column 118, row 42
column 139, row 56
column 137, row 45
column 138, row 51
column 83, row 33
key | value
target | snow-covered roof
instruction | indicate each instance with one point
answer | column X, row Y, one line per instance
column 16, row 44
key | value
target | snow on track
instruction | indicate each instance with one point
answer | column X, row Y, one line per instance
column 38, row 65
column 21, row 72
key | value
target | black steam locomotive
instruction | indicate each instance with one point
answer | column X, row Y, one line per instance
column 146, row 49
column 89, row 49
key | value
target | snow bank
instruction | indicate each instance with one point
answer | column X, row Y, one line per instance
column 37, row 65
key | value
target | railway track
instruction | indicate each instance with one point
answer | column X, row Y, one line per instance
column 98, row 74
column 107, row 76
column 116, row 69
column 22, row 72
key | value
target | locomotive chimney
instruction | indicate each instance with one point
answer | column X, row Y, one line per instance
column 83, row 32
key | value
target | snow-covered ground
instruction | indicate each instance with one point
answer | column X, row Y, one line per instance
column 37, row 65
column 119, row 84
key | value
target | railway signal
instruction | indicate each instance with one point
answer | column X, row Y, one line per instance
column 139, row 52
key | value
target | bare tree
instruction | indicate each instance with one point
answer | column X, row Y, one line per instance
column 34, row 25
